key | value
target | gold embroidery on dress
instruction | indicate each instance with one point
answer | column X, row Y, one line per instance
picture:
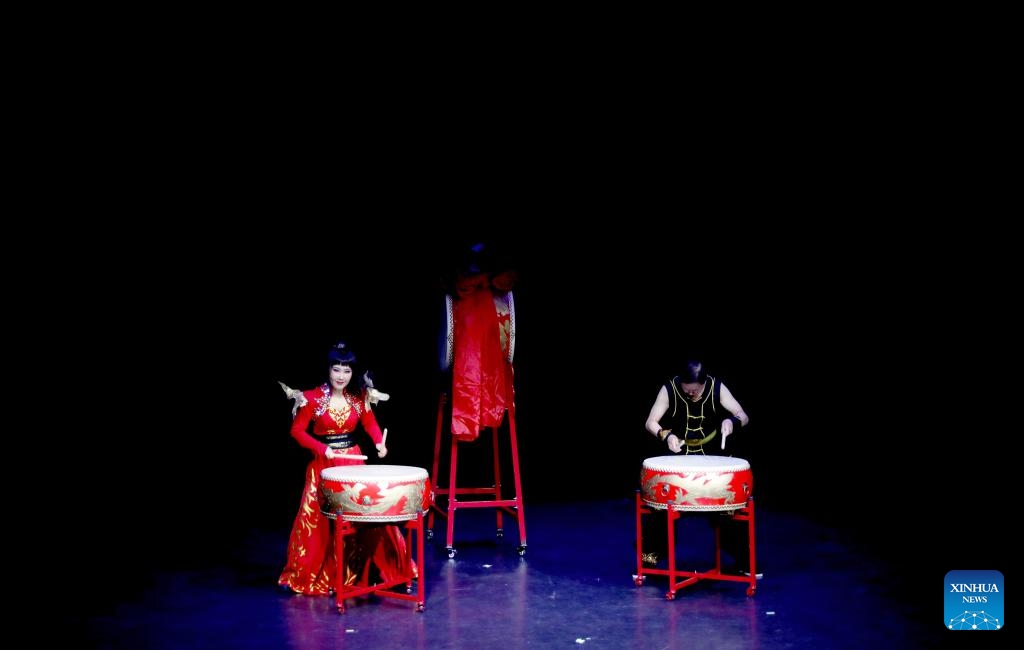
column 340, row 415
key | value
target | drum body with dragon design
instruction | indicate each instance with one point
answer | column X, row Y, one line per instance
column 372, row 493
column 696, row 482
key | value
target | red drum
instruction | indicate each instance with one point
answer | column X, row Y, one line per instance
column 506, row 310
column 696, row 482
column 375, row 492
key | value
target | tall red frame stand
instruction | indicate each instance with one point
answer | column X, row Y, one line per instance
column 677, row 579
column 344, row 528
column 503, row 506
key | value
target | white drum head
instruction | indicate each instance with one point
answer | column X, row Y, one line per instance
column 696, row 463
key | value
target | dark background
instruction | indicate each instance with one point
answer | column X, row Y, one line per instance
column 862, row 369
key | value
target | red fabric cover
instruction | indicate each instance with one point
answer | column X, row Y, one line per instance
column 481, row 372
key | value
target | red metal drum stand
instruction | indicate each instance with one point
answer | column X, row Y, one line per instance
column 344, row 528
column 679, row 578
column 509, row 506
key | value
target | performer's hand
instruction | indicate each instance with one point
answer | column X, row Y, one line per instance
column 675, row 445
column 728, row 428
column 382, row 450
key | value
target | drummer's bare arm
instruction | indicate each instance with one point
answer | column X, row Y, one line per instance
column 737, row 418
column 654, row 427
column 657, row 412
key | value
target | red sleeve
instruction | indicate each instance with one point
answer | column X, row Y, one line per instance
column 300, row 430
column 369, row 422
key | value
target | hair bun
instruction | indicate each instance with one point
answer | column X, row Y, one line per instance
column 340, row 353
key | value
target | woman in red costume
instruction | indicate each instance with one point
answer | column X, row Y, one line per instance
column 375, row 551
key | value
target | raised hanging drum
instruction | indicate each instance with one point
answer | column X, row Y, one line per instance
column 372, row 493
column 696, row 482
column 504, row 307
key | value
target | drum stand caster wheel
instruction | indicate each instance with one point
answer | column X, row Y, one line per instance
column 521, row 550
column 419, row 607
column 670, row 595
column 430, row 533
column 499, row 533
column 451, row 553
column 638, row 580
column 751, row 591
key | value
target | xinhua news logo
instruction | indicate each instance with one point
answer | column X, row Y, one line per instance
column 973, row 600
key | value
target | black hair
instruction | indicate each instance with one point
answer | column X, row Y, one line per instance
column 693, row 373
column 341, row 355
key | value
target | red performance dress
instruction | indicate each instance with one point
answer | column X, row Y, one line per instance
column 375, row 550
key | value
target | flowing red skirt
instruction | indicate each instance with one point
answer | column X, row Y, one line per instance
column 373, row 553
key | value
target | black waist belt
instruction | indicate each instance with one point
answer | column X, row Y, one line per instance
column 339, row 440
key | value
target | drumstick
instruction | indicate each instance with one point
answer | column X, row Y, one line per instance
column 384, row 438
column 342, row 455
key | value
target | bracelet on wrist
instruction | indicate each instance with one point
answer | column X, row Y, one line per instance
column 663, row 434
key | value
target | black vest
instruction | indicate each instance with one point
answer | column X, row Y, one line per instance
column 696, row 423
